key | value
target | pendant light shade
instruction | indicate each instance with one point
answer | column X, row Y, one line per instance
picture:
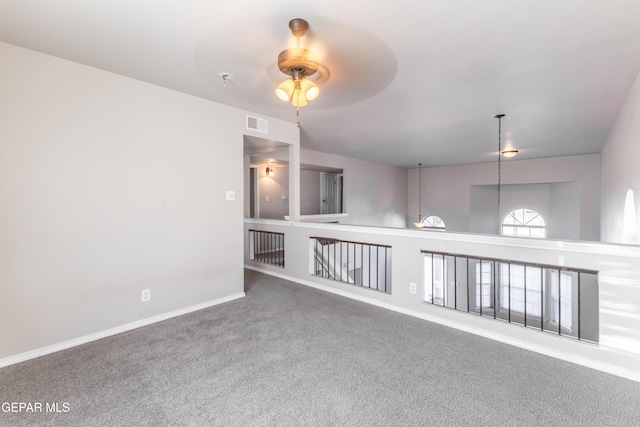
column 298, row 99
column 298, row 91
column 309, row 89
column 285, row 89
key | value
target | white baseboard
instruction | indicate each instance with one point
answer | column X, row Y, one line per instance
column 558, row 354
column 42, row 351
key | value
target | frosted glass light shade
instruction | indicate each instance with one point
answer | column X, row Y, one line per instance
column 310, row 89
column 298, row 91
column 285, row 90
column 298, row 99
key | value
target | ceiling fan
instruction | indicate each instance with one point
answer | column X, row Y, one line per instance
column 298, row 64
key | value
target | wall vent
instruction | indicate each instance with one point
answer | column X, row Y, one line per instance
column 259, row 125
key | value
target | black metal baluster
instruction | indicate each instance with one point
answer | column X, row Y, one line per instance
column 559, row 303
column 509, row 286
column 495, row 285
column 579, row 295
column 455, row 282
column 433, row 279
column 377, row 277
column 525, row 296
column 386, row 260
column 541, row 300
column 481, row 296
column 468, row 290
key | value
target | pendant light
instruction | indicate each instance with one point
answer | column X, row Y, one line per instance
column 419, row 224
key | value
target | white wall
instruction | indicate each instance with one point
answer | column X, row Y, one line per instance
column 374, row 194
column 565, row 189
column 621, row 173
column 110, row 186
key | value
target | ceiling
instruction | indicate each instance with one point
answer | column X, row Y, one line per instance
column 407, row 81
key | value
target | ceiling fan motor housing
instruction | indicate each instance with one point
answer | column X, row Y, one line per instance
column 297, row 61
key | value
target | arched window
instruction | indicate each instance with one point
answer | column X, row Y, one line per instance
column 433, row 222
column 524, row 223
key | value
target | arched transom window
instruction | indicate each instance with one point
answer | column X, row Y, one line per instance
column 524, row 223
column 433, row 222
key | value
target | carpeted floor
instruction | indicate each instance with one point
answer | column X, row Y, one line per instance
column 293, row 356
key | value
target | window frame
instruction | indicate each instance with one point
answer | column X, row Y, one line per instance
column 523, row 225
column 433, row 224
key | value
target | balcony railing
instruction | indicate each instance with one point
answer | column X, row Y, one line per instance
column 553, row 299
column 362, row 264
column 266, row 247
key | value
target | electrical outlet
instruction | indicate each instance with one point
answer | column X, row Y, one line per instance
column 412, row 288
column 145, row 295
column 231, row 195
column 266, row 199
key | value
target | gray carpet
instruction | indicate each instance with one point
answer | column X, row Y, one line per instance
column 293, row 356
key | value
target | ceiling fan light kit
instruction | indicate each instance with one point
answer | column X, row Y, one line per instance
column 298, row 64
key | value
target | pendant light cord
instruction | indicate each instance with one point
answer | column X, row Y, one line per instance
column 499, row 117
column 419, row 192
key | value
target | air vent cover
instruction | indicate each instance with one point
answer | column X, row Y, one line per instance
column 259, row 125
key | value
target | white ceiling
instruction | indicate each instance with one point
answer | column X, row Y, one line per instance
column 408, row 81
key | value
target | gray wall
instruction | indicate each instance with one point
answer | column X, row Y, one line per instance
column 565, row 190
column 309, row 192
column 110, row 186
column 564, row 211
column 483, row 216
column 374, row 194
column 558, row 204
column 272, row 189
column 620, row 173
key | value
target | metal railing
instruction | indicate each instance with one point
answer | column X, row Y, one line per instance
column 266, row 247
column 362, row 264
column 555, row 299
